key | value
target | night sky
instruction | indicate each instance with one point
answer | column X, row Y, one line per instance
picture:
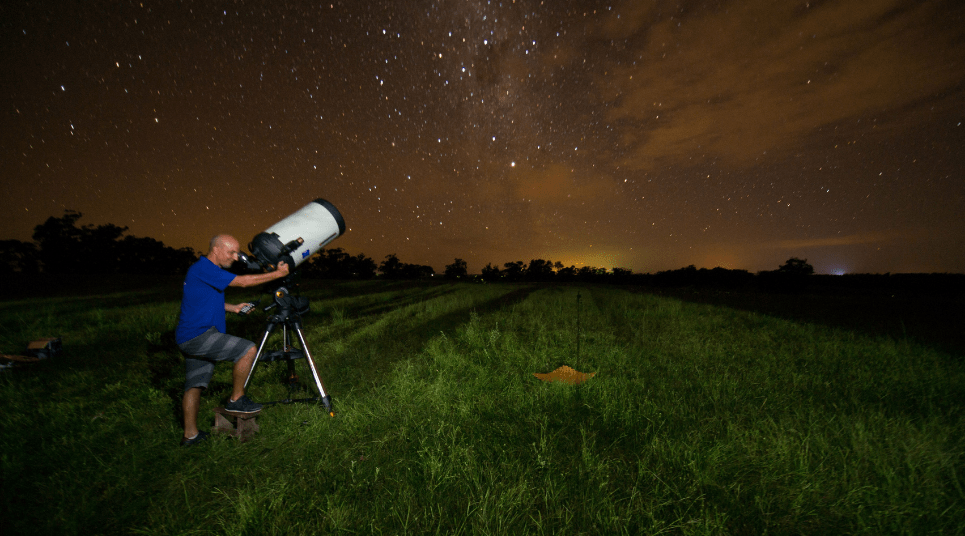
column 648, row 135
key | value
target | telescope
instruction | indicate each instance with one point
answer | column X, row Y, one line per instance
column 293, row 240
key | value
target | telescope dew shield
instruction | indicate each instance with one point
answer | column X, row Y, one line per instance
column 299, row 236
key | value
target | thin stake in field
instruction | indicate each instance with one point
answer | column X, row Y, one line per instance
column 564, row 373
column 579, row 298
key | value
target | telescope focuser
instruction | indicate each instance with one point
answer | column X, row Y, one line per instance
column 285, row 253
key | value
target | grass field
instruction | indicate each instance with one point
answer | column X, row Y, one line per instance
column 701, row 419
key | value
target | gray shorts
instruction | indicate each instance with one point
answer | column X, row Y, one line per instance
column 201, row 353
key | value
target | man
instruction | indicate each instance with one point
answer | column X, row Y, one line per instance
column 201, row 331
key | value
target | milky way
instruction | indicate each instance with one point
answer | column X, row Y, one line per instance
column 648, row 135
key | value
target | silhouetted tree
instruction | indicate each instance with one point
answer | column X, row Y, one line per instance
column 149, row 256
column 792, row 276
column 65, row 248
column 17, row 256
column 335, row 263
column 681, row 277
column 513, row 270
column 621, row 275
column 589, row 274
column 417, row 271
column 61, row 243
column 391, row 267
column 539, row 270
column 332, row 263
column 457, row 269
column 365, row 267
column 724, row 278
column 797, row 267
column 491, row 273
column 566, row 274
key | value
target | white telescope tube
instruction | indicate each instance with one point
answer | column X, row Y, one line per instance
column 299, row 236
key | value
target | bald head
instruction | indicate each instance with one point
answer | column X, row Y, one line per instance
column 223, row 250
column 220, row 239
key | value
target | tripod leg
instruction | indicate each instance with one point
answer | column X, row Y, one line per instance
column 261, row 347
column 326, row 400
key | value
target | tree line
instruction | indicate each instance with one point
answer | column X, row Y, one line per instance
column 337, row 264
column 62, row 247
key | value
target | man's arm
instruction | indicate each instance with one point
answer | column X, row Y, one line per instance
column 250, row 280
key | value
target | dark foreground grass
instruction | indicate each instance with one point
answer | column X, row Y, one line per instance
column 700, row 420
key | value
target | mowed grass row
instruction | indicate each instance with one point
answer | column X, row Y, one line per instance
column 699, row 420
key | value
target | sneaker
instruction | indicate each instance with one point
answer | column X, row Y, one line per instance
column 185, row 442
column 243, row 405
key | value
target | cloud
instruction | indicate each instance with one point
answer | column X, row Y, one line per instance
column 735, row 83
column 843, row 241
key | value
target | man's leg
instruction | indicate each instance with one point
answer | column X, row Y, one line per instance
column 197, row 374
column 190, row 403
column 240, row 372
column 212, row 346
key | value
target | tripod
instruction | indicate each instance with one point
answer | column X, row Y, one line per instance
column 290, row 309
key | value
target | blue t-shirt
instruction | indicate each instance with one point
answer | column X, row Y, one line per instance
column 202, row 305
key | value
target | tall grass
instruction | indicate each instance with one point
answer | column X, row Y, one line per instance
column 699, row 420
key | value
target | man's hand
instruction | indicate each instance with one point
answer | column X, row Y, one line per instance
column 282, row 269
column 236, row 307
